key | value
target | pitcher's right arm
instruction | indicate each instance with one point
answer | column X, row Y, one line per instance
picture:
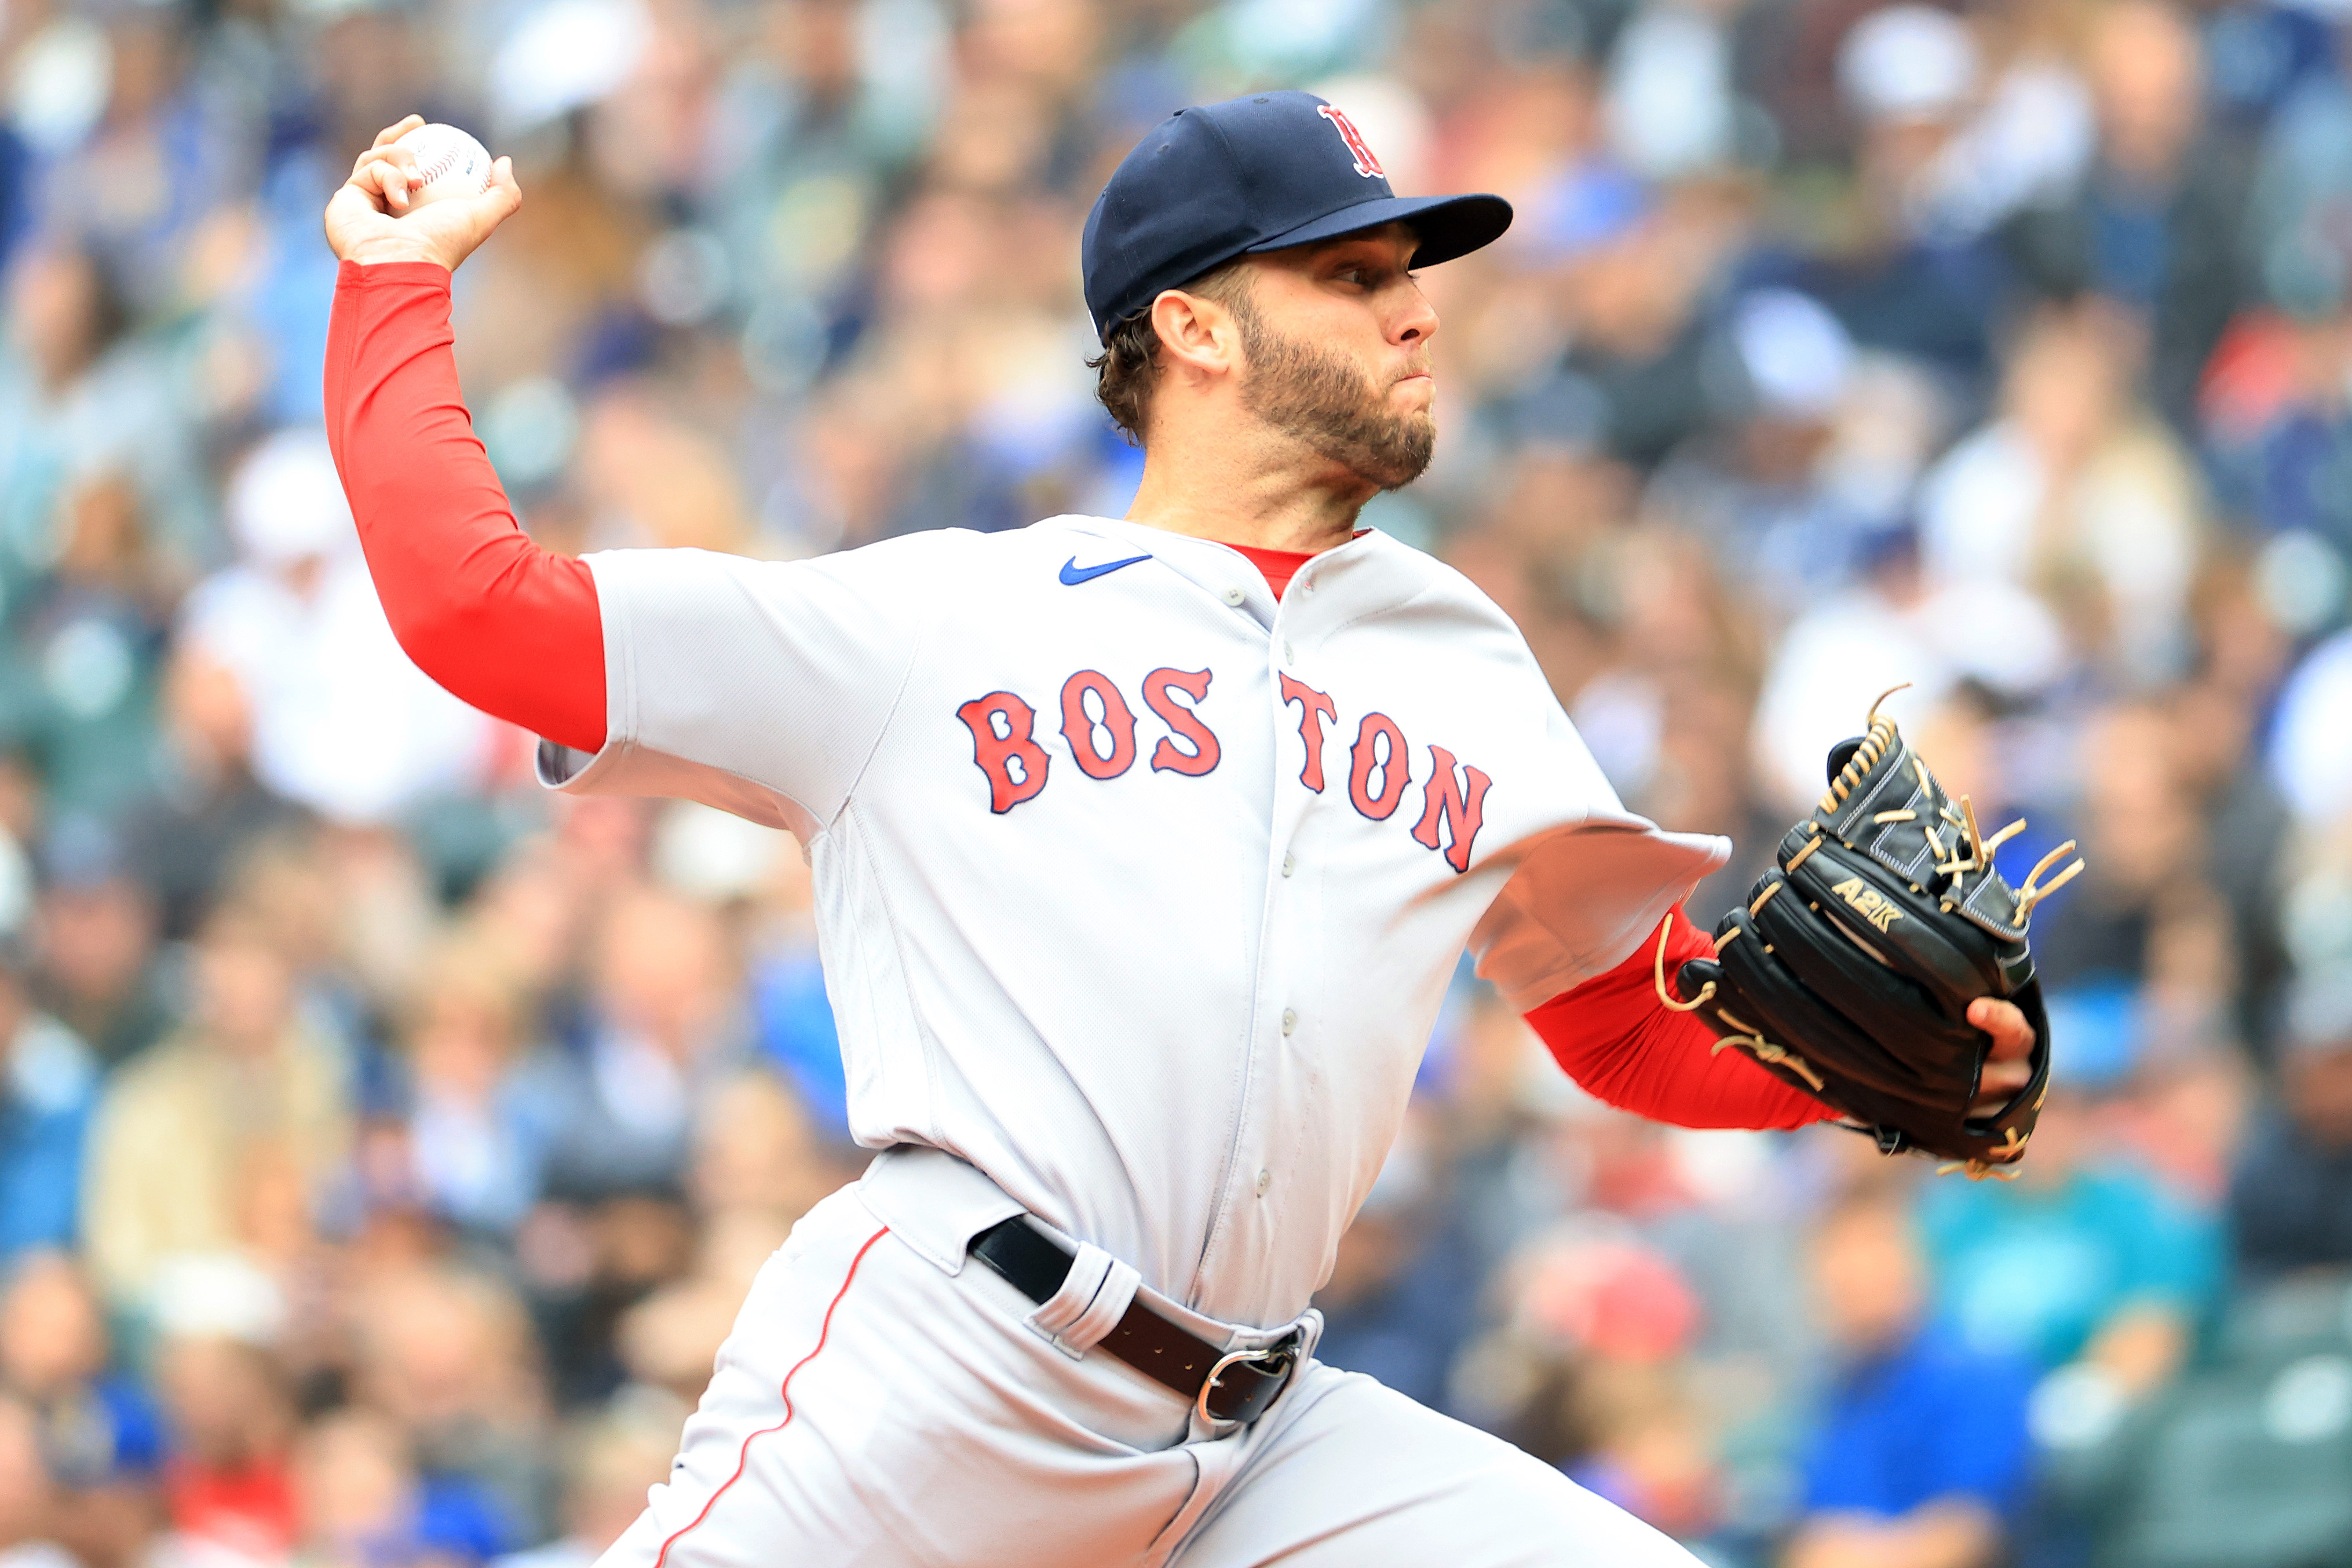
column 758, row 687
column 507, row 626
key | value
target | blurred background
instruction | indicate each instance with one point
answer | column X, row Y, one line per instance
column 384, row 1144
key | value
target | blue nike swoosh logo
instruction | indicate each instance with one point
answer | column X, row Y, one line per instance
column 1074, row 574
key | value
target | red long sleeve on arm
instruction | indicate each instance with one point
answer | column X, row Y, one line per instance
column 1623, row 1046
column 503, row 624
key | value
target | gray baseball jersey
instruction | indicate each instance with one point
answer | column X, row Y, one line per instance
column 1136, row 888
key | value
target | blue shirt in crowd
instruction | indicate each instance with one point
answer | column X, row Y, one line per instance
column 1929, row 1420
column 2036, row 1271
column 48, row 1083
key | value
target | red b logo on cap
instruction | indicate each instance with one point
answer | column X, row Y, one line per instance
column 1366, row 164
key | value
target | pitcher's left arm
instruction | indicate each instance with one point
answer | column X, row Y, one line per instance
column 1623, row 1047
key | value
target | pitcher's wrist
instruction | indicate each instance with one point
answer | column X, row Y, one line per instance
column 370, row 252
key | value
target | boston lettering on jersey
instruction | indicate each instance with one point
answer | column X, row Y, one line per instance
column 1099, row 725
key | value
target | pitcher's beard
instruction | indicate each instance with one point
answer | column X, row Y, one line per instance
column 1324, row 400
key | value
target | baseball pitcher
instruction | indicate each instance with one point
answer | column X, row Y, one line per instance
column 1144, row 848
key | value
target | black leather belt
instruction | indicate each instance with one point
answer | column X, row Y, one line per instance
column 1223, row 1385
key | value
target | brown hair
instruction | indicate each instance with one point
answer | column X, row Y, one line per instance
column 1127, row 370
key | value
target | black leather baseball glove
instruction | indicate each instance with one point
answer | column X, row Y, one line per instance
column 1850, row 971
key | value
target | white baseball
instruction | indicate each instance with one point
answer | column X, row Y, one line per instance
column 448, row 163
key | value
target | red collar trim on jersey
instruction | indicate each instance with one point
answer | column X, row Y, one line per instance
column 1279, row 566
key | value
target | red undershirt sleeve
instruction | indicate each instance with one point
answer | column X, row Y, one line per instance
column 1625, row 1047
column 503, row 624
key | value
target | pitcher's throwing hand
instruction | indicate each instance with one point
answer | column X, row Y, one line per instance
column 372, row 219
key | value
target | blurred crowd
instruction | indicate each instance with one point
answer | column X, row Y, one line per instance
column 386, row 1144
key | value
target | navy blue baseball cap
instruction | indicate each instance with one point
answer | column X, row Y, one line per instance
column 1261, row 173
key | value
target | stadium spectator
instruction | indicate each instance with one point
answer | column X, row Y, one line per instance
column 445, row 1355
column 208, row 806
column 668, row 1341
column 342, row 722
column 1384, row 1310
column 2075, row 494
column 610, row 1458
column 50, row 1087
column 474, row 1137
column 2291, row 1200
column 756, row 1152
column 101, row 1434
column 660, row 1033
column 228, row 1482
column 227, row 1136
column 27, row 1499
column 2085, row 1258
column 82, row 395
column 94, row 937
column 1920, row 1456
column 363, row 1503
column 2155, row 222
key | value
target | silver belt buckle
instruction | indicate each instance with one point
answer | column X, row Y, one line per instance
column 1278, row 1358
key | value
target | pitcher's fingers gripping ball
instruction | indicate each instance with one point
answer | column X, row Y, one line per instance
column 442, row 161
column 1851, row 970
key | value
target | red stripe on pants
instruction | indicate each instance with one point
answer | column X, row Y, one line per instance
column 784, row 1391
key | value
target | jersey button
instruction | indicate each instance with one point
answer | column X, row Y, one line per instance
column 1290, row 864
column 1264, row 1180
column 1233, row 596
column 1289, row 1020
column 1289, row 654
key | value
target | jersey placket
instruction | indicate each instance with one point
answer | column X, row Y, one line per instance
column 1232, row 586
column 1251, row 1195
